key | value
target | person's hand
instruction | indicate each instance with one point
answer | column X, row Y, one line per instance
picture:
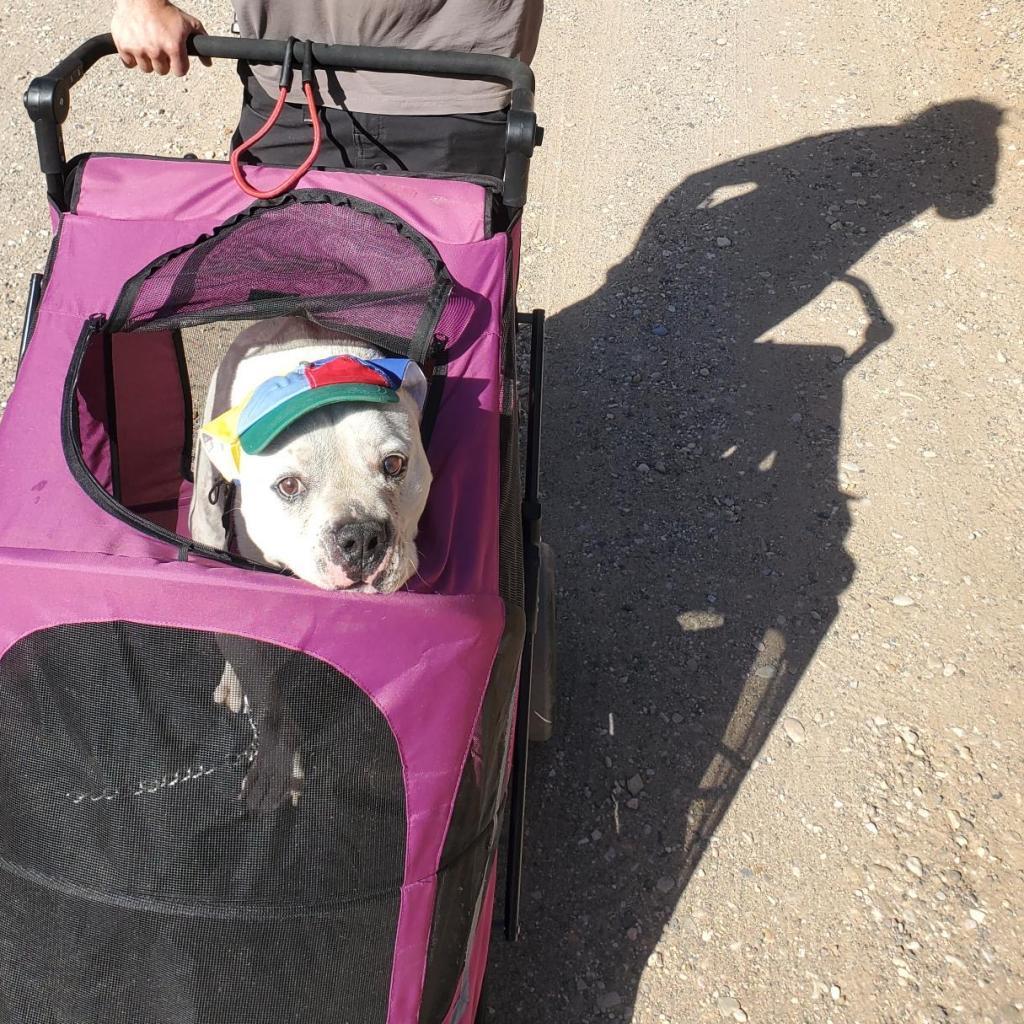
column 151, row 35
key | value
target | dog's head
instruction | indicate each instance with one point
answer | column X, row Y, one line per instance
column 331, row 488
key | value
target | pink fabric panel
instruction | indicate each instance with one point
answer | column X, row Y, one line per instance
column 155, row 189
column 151, row 420
column 424, row 661
column 390, row 646
column 463, row 505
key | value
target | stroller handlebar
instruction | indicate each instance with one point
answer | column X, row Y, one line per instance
column 48, row 97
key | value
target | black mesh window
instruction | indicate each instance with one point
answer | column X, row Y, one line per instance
column 138, row 885
column 347, row 264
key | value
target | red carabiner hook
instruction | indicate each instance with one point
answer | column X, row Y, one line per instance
column 282, row 97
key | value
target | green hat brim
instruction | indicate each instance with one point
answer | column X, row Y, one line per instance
column 268, row 427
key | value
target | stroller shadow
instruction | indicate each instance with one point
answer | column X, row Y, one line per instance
column 692, row 497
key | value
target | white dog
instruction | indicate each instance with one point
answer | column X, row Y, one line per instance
column 330, row 480
column 337, row 492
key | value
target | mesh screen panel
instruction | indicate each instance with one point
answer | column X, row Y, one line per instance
column 134, row 883
column 348, row 265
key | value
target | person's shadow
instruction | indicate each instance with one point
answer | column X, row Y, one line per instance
column 691, row 493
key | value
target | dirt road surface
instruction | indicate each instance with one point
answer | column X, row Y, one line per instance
column 781, row 250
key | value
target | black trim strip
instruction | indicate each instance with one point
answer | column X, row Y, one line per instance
column 51, row 258
column 437, row 363
column 109, row 386
column 187, row 406
column 35, row 285
column 416, row 348
column 71, row 440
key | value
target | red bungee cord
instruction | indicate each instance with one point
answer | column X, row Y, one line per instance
column 282, row 97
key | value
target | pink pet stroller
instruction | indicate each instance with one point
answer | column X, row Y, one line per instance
column 138, row 885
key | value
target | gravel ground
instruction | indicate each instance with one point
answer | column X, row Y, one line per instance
column 780, row 246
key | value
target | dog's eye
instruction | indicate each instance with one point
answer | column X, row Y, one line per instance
column 289, row 487
column 393, row 465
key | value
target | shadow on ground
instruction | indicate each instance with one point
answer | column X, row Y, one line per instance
column 691, row 494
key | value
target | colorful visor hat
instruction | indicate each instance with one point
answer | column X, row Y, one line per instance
column 278, row 402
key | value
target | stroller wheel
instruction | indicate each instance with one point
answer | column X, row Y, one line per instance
column 542, row 686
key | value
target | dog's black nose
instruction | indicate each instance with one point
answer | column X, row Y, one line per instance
column 359, row 547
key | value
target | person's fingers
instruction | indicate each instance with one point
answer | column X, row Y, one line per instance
column 127, row 60
column 144, row 63
column 179, row 60
column 161, row 63
column 199, row 30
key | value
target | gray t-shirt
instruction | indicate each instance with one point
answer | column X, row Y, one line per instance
column 508, row 28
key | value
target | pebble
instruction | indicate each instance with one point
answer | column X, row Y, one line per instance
column 608, row 1000
column 835, row 992
column 643, row 468
column 728, row 1005
column 660, row 330
column 722, row 242
column 665, row 884
column 978, row 916
column 635, row 784
column 913, row 865
column 794, row 729
column 902, row 601
column 660, row 467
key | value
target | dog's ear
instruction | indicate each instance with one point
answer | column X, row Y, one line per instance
column 414, row 384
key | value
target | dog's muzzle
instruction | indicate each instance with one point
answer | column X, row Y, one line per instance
column 359, row 548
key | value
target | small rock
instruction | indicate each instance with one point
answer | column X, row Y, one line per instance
column 902, row 601
column 722, row 242
column 608, row 1000
column 835, row 992
column 719, row 42
column 635, row 784
column 660, row 330
column 978, row 916
column 728, row 1005
column 660, row 467
column 665, row 884
column 913, row 865
column 643, row 468
column 765, row 671
column 948, row 669
column 794, row 729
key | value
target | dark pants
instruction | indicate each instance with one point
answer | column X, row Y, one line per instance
column 465, row 144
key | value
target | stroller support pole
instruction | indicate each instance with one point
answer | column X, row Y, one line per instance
column 531, row 567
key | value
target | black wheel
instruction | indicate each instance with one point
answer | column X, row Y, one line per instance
column 542, row 683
